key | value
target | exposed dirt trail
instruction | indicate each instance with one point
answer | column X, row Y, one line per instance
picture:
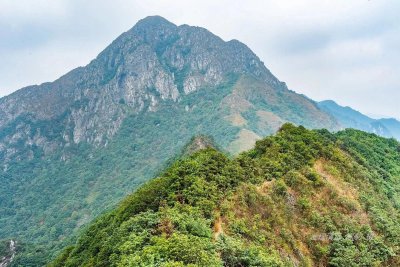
column 218, row 230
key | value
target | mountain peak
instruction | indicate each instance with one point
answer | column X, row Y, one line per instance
column 153, row 21
column 154, row 62
column 198, row 143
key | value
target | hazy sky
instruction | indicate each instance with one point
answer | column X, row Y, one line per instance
column 345, row 50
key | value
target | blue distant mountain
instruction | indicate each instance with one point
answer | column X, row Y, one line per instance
column 350, row 118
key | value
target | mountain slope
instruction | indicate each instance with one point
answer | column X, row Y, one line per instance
column 72, row 148
column 350, row 118
column 299, row 198
column 392, row 125
column 153, row 62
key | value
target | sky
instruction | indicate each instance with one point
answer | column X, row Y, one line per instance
column 344, row 50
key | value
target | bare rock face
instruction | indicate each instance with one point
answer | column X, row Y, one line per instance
column 153, row 62
column 6, row 260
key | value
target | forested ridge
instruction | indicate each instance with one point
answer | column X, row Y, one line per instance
column 298, row 198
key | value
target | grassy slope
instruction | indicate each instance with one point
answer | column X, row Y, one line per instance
column 299, row 197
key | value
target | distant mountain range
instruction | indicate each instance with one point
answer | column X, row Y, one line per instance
column 350, row 118
column 72, row 148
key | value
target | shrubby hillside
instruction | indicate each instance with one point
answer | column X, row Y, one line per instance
column 298, row 198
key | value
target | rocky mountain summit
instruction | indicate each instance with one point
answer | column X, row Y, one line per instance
column 154, row 62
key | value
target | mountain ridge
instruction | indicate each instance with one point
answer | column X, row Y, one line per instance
column 298, row 198
column 351, row 118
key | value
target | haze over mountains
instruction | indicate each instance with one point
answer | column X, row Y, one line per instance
column 72, row 148
column 350, row 118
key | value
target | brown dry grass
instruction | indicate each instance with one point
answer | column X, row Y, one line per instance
column 218, row 230
column 236, row 119
column 342, row 189
column 270, row 119
column 245, row 140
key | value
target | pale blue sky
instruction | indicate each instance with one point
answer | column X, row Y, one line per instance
column 348, row 51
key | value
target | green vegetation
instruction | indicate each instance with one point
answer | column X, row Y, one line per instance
column 300, row 197
column 4, row 248
column 45, row 201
